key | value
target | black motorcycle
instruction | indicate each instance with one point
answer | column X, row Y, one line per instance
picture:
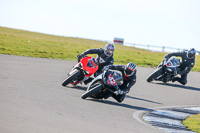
column 166, row 70
column 104, row 85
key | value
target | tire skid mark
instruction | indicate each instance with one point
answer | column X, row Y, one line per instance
column 186, row 111
column 167, row 125
column 162, row 116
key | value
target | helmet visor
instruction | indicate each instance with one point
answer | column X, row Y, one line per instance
column 129, row 72
column 109, row 52
column 190, row 55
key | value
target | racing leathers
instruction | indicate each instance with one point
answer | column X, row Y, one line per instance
column 186, row 65
column 128, row 82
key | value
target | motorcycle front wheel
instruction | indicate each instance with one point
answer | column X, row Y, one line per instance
column 71, row 78
column 154, row 75
column 92, row 91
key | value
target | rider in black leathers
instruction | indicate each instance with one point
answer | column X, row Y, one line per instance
column 129, row 79
column 188, row 62
column 104, row 58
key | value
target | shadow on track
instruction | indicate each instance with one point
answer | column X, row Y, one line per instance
column 127, row 96
column 180, row 86
column 120, row 104
column 77, row 87
column 142, row 99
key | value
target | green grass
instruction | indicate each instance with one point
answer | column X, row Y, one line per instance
column 25, row 43
column 193, row 123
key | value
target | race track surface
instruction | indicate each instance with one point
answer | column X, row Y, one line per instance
column 32, row 100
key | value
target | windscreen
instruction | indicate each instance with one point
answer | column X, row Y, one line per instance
column 174, row 61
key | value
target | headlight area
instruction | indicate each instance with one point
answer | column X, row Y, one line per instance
column 169, row 70
column 86, row 72
column 81, row 65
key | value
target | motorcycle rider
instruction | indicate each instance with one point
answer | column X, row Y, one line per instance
column 188, row 62
column 104, row 58
column 129, row 79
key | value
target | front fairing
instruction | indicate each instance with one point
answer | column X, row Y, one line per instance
column 113, row 80
column 77, row 66
column 88, row 70
column 104, row 80
column 170, row 70
column 96, row 79
column 172, row 65
column 169, row 67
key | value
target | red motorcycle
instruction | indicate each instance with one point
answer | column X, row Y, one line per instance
column 81, row 71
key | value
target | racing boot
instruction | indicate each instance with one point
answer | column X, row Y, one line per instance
column 118, row 98
column 180, row 80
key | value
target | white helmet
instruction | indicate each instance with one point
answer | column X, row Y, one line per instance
column 109, row 49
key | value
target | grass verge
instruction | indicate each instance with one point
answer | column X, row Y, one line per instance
column 193, row 123
column 25, row 43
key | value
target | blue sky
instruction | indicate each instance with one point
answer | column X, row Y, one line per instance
column 171, row 23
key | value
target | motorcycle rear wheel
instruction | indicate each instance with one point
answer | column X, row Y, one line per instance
column 155, row 74
column 71, row 78
column 91, row 91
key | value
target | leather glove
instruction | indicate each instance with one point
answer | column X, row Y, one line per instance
column 80, row 55
column 120, row 92
column 166, row 56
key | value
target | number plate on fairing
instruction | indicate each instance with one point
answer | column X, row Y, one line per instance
column 111, row 80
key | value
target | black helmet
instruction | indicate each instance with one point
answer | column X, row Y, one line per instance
column 130, row 69
column 109, row 48
column 191, row 53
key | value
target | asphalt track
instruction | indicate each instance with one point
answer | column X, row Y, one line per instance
column 32, row 100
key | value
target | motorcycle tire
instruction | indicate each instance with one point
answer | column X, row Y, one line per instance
column 71, row 78
column 155, row 74
column 91, row 91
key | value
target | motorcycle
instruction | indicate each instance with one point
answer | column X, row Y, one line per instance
column 166, row 70
column 104, row 85
column 81, row 71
